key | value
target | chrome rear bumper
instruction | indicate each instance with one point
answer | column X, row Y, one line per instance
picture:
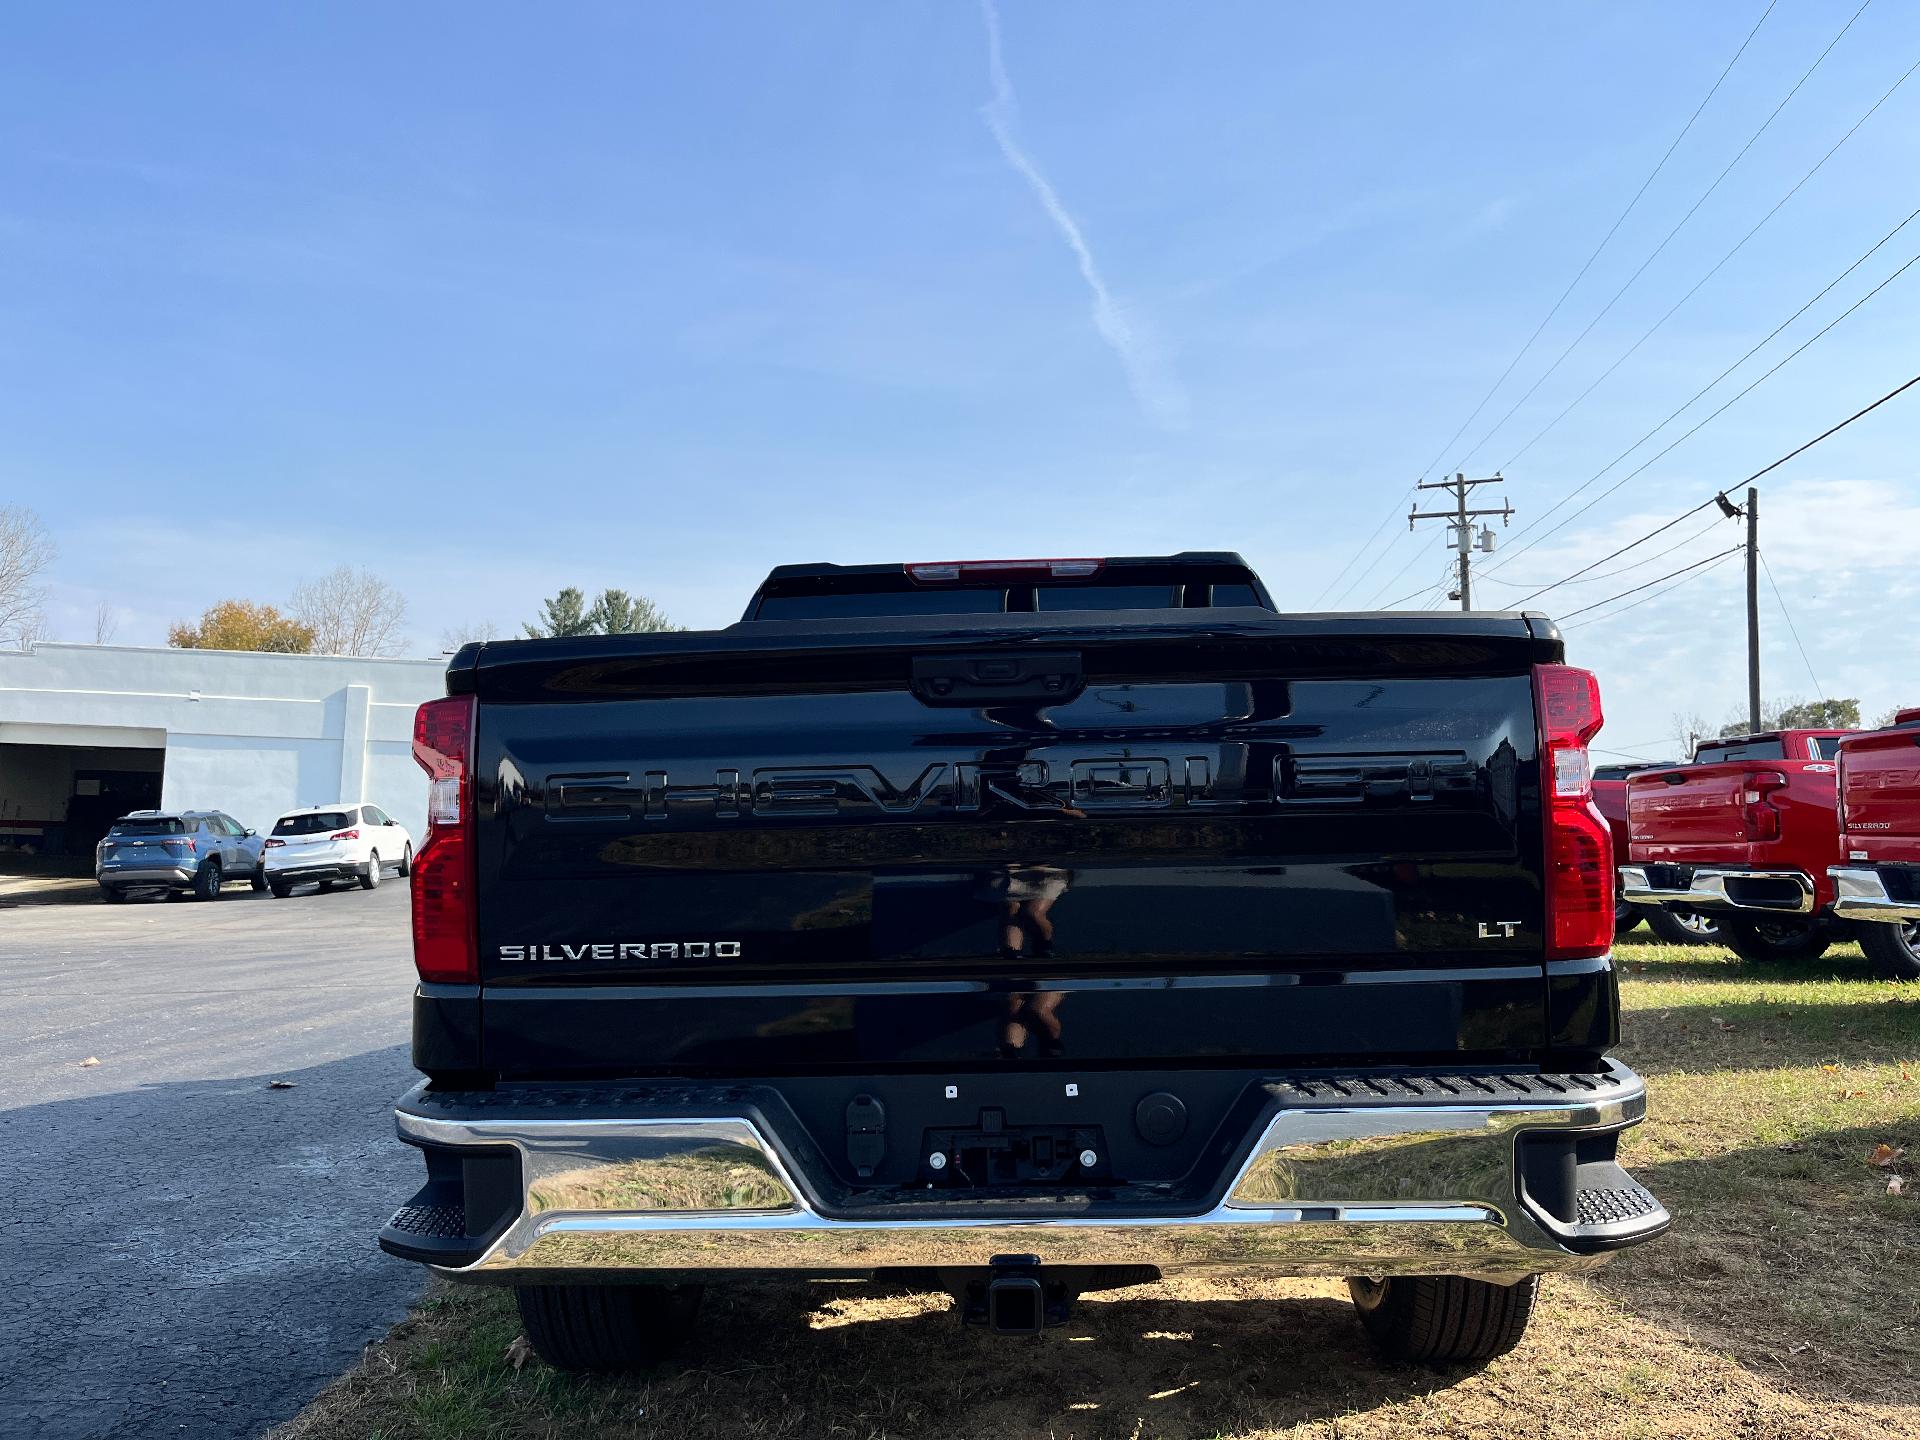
column 1426, row 1180
column 1861, row 894
column 1713, row 888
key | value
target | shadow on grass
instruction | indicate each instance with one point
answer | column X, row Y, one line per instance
column 782, row 1358
column 1772, row 1034
column 1793, row 1259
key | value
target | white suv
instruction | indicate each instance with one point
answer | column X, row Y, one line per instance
column 329, row 843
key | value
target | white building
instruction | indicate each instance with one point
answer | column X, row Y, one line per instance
column 89, row 732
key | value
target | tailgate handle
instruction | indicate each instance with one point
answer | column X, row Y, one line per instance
column 1050, row 676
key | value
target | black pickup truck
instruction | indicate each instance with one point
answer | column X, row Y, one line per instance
column 1020, row 929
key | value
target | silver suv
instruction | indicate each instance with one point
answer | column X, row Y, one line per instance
column 167, row 850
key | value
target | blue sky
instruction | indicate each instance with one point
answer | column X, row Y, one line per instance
column 491, row 300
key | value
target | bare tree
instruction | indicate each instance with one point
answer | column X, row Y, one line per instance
column 454, row 636
column 25, row 551
column 106, row 624
column 351, row 612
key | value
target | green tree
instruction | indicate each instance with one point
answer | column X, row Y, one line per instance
column 242, row 625
column 618, row 613
column 1819, row 715
column 614, row 613
column 1799, row 715
column 560, row 617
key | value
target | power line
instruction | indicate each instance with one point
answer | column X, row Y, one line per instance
column 1575, row 578
column 1791, row 629
column 1416, row 594
column 1753, row 350
column 1628, row 353
column 1644, row 465
column 1652, row 175
column 1655, row 581
column 1394, row 579
column 1752, row 140
column 1645, row 599
column 1834, row 430
column 1365, row 545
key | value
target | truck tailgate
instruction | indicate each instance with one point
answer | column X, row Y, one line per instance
column 1880, row 780
column 1697, row 805
column 1035, row 839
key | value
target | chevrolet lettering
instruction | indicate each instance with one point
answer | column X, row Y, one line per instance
column 1020, row 928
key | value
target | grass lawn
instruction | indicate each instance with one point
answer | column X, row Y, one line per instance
column 1785, row 1302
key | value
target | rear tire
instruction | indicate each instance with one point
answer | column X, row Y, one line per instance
column 1443, row 1319
column 1626, row 915
column 1893, row 950
column 280, row 889
column 406, row 862
column 260, row 878
column 113, row 896
column 1684, row 927
column 606, row 1327
column 206, row 882
column 1774, row 941
column 372, row 877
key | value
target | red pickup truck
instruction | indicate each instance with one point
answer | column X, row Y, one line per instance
column 1745, row 833
column 1677, row 926
column 1878, row 878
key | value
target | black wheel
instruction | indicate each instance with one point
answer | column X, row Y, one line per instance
column 1893, row 950
column 1774, row 940
column 1625, row 916
column 113, row 896
column 280, row 889
column 372, row 877
column 1683, row 927
column 260, row 877
column 206, row 884
column 606, row 1327
column 1443, row 1319
column 406, row 862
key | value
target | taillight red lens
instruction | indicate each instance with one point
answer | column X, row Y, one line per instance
column 444, row 948
column 1758, row 814
column 1579, row 846
column 271, row 844
column 344, row 835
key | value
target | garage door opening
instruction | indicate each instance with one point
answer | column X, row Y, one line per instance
column 56, row 801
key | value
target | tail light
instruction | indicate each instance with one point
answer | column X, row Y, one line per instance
column 946, row 572
column 344, row 835
column 273, row 844
column 1759, row 816
column 189, row 844
column 444, row 948
column 1579, row 847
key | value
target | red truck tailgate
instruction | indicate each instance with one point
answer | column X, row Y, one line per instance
column 1696, row 807
column 1880, row 786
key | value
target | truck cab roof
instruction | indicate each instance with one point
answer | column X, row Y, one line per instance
column 1192, row 579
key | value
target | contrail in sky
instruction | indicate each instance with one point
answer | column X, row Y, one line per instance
column 1153, row 385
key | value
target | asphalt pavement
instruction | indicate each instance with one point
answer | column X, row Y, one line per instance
column 189, row 1251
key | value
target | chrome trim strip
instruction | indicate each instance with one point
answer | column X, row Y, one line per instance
column 1862, row 895
column 1327, row 1190
column 1709, row 889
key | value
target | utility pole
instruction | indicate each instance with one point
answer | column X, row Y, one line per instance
column 1461, row 520
column 1753, row 609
